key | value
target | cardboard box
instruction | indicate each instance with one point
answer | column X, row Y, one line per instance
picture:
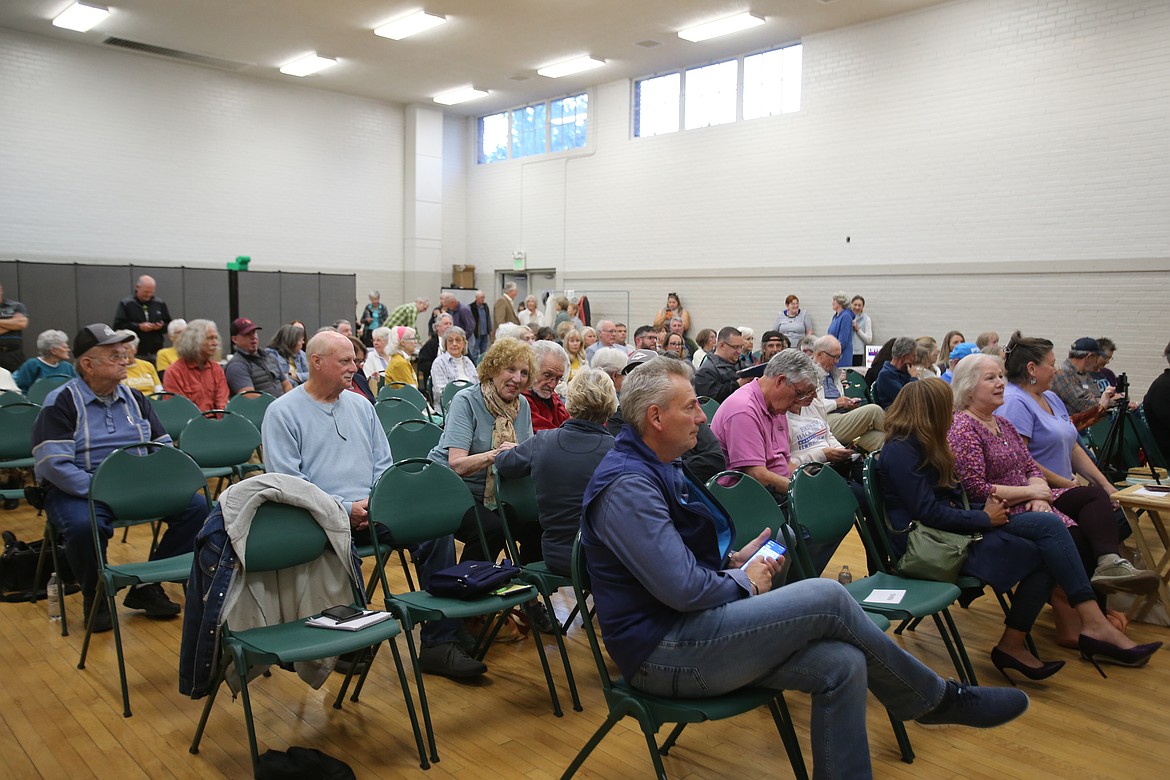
column 463, row 276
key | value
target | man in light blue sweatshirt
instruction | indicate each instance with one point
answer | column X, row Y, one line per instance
column 332, row 438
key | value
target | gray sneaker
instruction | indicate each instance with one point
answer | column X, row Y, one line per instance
column 979, row 708
column 1115, row 573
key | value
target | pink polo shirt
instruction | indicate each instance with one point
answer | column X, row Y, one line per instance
column 749, row 434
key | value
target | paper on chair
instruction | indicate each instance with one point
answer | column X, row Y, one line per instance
column 370, row 618
column 882, row 596
column 1150, row 493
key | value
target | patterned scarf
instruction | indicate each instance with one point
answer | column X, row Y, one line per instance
column 504, row 430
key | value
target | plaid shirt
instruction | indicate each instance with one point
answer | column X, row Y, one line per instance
column 1077, row 389
column 404, row 316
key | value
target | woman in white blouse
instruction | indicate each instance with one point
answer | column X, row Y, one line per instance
column 530, row 314
column 453, row 363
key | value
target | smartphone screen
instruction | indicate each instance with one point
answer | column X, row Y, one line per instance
column 771, row 549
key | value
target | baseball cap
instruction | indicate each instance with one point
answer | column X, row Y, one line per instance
column 771, row 335
column 637, row 358
column 1087, row 345
column 963, row 350
column 97, row 335
column 242, row 326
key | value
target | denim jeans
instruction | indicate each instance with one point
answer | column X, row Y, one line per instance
column 70, row 516
column 478, row 346
column 1062, row 564
column 810, row 636
column 429, row 557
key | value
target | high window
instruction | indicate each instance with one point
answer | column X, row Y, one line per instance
column 748, row 87
column 557, row 125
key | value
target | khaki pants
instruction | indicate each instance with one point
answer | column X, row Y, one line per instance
column 865, row 423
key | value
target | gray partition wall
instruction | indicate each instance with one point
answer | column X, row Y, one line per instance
column 66, row 296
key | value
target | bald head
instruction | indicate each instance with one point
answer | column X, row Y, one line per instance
column 144, row 288
column 326, row 343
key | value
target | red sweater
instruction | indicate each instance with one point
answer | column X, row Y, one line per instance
column 546, row 415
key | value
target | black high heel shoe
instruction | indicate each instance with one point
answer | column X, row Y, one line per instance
column 1002, row 661
column 1094, row 650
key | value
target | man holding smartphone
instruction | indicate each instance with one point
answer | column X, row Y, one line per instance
column 682, row 619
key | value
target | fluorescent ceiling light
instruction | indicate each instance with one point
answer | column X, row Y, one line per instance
column 731, row 24
column 307, row 65
column 81, row 17
column 461, row 95
column 570, row 67
column 409, row 25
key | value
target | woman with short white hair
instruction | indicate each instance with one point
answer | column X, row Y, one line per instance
column 168, row 355
column 376, row 360
column 453, row 364
column 530, row 313
column 140, row 375
column 52, row 360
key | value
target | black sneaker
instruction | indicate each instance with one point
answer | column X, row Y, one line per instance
column 979, row 708
column 11, row 503
column 152, row 600
column 449, row 660
column 102, row 621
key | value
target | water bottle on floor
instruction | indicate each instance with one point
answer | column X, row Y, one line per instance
column 846, row 576
column 54, row 601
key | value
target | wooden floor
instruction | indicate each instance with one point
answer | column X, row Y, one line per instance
column 60, row 722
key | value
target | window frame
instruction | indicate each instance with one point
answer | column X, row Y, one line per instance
column 682, row 92
column 508, row 114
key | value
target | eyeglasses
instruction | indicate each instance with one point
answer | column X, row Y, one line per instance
column 804, row 395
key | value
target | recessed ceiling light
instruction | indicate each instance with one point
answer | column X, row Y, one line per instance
column 409, row 25
column 81, row 17
column 570, row 67
column 307, row 65
column 731, row 24
column 461, row 95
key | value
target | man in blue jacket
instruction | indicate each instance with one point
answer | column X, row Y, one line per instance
column 685, row 615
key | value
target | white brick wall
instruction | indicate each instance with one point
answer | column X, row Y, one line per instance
column 111, row 156
column 995, row 163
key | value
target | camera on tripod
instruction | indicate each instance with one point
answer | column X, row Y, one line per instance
column 1122, row 386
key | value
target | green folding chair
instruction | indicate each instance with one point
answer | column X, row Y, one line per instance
column 403, row 390
column 420, row 501
column 823, row 506
column 16, row 426
column 284, row 537
column 516, row 502
column 251, row 404
column 752, row 509
column 174, row 411
column 42, row 387
column 12, row 397
column 392, row 411
column 222, row 443
column 653, row 712
column 709, row 406
column 139, row 488
column 855, row 384
column 449, row 392
column 413, row 439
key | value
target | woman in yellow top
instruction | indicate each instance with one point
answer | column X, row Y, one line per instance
column 401, row 348
column 140, row 375
column 168, row 355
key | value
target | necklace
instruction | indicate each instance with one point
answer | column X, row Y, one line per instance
column 988, row 422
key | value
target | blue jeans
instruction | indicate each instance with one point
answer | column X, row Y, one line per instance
column 810, row 636
column 479, row 345
column 70, row 516
column 429, row 557
column 1062, row 565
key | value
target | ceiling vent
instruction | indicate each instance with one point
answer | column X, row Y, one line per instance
column 174, row 54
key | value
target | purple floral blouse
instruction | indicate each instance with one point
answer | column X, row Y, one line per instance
column 984, row 459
